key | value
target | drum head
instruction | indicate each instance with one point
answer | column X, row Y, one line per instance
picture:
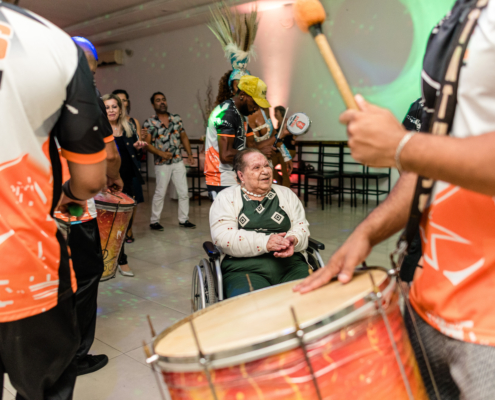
column 258, row 324
column 298, row 124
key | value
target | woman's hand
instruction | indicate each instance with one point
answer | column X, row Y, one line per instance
column 290, row 166
column 277, row 243
column 342, row 264
column 289, row 252
column 140, row 145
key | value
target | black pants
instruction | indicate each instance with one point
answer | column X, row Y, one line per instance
column 38, row 353
column 87, row 259
column 214, row 190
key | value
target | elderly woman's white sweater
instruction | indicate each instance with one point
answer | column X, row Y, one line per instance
column 237, row 242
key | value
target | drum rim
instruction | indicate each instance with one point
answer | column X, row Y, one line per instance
column 314, row 330
column 107, row 205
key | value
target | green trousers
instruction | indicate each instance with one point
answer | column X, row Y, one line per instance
column 264, row 271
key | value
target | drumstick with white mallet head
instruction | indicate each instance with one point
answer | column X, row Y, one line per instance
column 309, row 15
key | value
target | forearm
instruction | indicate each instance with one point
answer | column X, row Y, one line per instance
column 462, row 162
column 185, row 142
column 87, row 179
column 391, row 215
column 113, row 160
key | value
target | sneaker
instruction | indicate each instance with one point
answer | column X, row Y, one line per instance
column 89, row 364
column 187, row 224
column 156, row 227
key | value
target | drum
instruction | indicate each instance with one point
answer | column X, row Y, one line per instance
column 298, row 124
column 114, row 213
column 253, row 352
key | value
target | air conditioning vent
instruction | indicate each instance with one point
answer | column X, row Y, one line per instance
column 114, row 57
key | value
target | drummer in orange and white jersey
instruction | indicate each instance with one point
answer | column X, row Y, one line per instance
column 46, row 95
column 84, row 238
column 451, row 295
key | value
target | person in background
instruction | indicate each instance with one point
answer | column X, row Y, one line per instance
column 166, row 135
column 136, row 130
column 289, row 141
column 84, row 237
column 262, row 126
column 46, row 77
column 226, row 133
column 128, row 144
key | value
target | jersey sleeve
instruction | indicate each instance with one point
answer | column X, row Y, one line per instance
column 79, row 129
column 225, row 124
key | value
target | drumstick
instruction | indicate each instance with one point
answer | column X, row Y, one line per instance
column 147, row 352
column 153, row 333
column 280, row 128
column 309, row 15
column 249, row 281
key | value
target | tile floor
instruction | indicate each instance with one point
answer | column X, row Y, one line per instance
column 163, row 262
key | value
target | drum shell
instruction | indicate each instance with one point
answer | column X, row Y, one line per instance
column 353, row 362
column 114, row 213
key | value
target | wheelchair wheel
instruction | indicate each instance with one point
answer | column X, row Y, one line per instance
column 203, row 292
column 210, row 287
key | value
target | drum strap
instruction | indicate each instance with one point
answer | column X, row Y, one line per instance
column 442, row 121
column 441, row 124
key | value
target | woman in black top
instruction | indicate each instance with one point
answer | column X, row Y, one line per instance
column 136, row 130
column 127, row 144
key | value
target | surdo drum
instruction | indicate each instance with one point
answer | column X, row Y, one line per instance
column 337, row 342
column 114, row 213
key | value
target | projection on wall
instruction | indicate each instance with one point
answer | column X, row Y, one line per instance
column 380, row 46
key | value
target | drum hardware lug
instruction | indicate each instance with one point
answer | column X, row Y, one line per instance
column 378, row 301
column 151, row 360
column 300, row 335
column 203, row 361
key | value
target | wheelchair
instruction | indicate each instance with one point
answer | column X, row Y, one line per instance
column 207, row 283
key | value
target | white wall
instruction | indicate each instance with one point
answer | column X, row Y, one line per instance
column 380, row 44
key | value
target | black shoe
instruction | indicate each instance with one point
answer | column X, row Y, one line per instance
column 156, row 227
column 90, row 363
column 187, row 224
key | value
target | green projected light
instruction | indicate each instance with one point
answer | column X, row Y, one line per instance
column 380, row 46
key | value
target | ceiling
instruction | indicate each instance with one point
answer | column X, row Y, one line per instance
column 113, row 21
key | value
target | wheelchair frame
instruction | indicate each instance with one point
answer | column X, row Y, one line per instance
column 207, row 284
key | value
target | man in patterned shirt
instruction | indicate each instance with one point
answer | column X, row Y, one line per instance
column 167, row 135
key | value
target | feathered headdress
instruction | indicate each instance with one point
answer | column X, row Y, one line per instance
column 236, row 34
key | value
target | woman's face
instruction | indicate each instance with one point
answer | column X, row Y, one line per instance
column 125, row 102
column 113, row 110
column 257, row 175
column 278, row 116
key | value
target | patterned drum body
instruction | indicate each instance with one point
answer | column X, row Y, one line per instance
column 114, row 213
column 355, row 361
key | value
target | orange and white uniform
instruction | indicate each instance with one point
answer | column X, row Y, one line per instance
column 455, row 290
column 225, row 120
column 46, row 92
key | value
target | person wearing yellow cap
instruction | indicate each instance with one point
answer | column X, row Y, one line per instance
column 226, row 133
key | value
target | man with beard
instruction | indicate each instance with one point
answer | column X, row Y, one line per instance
column 166, row 134
column 226, row 133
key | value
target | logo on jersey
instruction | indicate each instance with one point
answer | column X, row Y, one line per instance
column 6, row 34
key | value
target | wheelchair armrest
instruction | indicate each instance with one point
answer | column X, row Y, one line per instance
column 211, row 250
column 314, row 244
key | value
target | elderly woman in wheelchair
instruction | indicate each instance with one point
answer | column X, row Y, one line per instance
column 260, row 228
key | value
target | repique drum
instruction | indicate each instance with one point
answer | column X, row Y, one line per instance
column 114, row 213
column 298, row 124
column 354, row 337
